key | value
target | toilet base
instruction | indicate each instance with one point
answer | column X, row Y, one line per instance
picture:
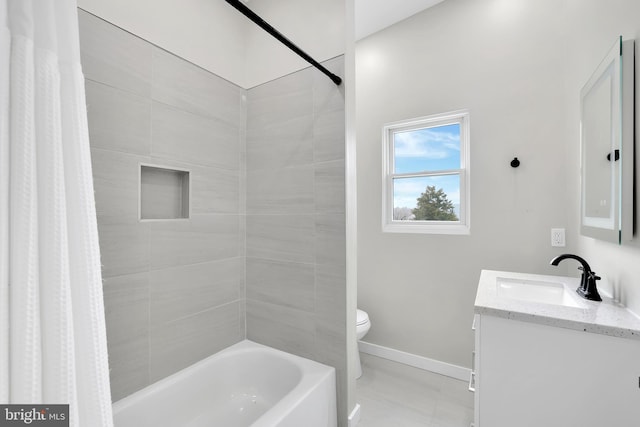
column 358, row 364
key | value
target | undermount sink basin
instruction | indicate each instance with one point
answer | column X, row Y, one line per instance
column 536, row 291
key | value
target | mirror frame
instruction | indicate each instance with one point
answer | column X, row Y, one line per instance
column 619, row 65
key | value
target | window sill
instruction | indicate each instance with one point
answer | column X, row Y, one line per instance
column 421, row 228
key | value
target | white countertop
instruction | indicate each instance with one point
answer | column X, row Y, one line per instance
column 606, row 317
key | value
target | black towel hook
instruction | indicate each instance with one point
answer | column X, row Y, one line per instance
column 515, row 162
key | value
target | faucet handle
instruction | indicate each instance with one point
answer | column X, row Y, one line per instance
column 590, row 289
column 590, row 273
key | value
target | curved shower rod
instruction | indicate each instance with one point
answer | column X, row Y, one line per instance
column 278, row 35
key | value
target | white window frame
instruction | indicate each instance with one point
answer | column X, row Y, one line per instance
column 463, row 226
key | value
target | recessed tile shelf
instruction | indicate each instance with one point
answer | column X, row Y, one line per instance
column 164, row 193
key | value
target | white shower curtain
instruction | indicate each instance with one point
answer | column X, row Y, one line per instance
column 53, row 346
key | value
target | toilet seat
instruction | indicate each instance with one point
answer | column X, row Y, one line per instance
column 361, row 317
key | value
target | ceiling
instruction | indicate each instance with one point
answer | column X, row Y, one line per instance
column 375, row 15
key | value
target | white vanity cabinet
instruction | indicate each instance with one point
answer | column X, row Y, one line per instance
column 532, row 371
column 527, row 374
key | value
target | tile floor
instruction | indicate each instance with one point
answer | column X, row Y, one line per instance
column 395, row 395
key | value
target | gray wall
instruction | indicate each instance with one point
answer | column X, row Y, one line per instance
column 500, row 59
column 173, row 290
column 518, row 65
column 296, row 270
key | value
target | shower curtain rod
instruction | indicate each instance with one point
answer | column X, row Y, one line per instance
column 278, row 35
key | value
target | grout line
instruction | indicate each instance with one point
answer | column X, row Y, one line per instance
column 190, row 315
column 157, row 46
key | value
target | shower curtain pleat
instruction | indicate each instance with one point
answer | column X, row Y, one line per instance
column 52, row 328
column 91, row 342
column 5, row 43
column 58, row 373
column 24, row 291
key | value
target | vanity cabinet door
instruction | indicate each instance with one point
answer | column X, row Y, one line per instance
column 532, row 375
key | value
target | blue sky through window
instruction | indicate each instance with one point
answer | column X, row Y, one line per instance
column 427, row 149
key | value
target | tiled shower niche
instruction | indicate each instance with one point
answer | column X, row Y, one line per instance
column 164, row 193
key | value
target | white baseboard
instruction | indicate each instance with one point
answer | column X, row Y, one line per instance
column 442, row 368
column 354, row 417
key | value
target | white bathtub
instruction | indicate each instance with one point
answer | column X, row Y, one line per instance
column 247, row 384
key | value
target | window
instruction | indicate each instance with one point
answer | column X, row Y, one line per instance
column 426, row 175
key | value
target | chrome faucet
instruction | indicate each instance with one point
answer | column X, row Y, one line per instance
column 587, row 288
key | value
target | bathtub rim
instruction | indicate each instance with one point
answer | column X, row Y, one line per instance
column 314, row 375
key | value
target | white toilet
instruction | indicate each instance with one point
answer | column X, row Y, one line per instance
column 362, row 327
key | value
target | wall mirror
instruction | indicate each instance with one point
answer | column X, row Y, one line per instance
column 607, row 147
